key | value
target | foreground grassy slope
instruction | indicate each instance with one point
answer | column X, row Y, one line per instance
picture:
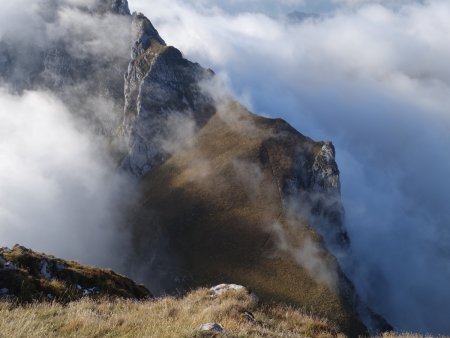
column 165, row 317
column 216, row 206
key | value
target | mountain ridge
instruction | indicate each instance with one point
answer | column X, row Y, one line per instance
column 223, row 194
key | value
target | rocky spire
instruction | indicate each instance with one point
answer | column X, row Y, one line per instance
column 159, row 83
column 119, row 7
column 143, row 34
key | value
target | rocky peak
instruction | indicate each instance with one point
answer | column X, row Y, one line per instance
column 159, row 84
column 143, row 33
column 325, row 170
column 119, row 7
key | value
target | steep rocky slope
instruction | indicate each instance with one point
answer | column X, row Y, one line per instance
column 28, row 276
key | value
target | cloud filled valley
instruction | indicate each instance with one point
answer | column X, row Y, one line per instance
column 369, row 76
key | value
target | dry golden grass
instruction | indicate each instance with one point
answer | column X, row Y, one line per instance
column 164, row 317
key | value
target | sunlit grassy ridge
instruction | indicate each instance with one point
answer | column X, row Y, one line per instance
column 164, row 317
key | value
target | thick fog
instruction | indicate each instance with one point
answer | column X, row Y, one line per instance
column 60, row 193
column 57, row 189
column 374, row 78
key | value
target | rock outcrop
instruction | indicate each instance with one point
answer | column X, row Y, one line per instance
column 29, row 276
column 119, row 7
column 213, row 328
column 159, row 84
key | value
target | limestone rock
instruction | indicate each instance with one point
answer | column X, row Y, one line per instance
column 119, row 7
column 221, row 289
column 159, row 84
column 44, row 269
column 37, row 275
column 212, row 328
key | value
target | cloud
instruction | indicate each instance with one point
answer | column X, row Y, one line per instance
column 309, row 255
column 58, row 191
column 374, row 78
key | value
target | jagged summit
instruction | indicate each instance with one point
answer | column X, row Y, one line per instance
column 159, row 84
column 143, row 33
column 119, row 7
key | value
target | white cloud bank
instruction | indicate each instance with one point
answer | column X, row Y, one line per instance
column 56, row 188
column 58, row 191
column 374, row 78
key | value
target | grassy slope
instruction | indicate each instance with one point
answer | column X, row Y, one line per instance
column 219, row 218
column 26, row 283
column 165, row 317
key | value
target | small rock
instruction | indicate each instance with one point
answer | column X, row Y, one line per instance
column 60, row 266
column 211, row 327
column 90, row 291
column 10, row 266
column 45, row 272
column 223, row 288
column 249, row 316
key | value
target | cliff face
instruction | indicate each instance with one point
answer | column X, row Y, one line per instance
column 159, row 83
column 224, row 195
